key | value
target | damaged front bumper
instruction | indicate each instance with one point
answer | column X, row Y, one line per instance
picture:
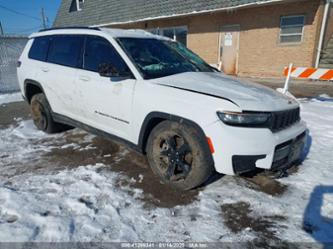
column 239, row 149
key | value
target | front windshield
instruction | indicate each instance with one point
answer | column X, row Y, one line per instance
column 159, row 58
column 194, row 58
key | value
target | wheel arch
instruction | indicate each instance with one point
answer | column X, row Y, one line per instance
column 32, row 87
column 154, row 118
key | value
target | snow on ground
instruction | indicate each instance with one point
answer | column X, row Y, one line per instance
column 87, row 203
column 10, row 97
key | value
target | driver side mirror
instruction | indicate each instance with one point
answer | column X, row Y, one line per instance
column 107, row 70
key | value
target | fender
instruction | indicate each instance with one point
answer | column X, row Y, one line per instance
column 31, row 82
column 149, row 123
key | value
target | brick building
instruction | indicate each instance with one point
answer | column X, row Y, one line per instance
column 246, row 37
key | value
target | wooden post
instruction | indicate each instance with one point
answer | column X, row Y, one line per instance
column 43, row 19
column 1, row 29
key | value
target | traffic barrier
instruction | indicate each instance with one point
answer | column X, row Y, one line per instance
column 310, row 73
column 305, row 73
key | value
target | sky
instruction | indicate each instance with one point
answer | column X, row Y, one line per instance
column 29, row 18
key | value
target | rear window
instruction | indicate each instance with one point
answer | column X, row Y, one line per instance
column 39, row 48
column 66, row 50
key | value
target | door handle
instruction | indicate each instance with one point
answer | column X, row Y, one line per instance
column 84, row 78
column 45, row 69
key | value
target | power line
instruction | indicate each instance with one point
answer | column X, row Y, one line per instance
column 19, row 13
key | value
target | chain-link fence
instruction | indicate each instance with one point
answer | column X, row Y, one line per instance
column 10, row 50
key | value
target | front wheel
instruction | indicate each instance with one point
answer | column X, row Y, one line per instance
column 179, row 154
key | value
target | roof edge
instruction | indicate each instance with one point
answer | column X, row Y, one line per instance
column 255, row 4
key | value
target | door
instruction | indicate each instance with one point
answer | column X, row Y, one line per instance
column 59, row 73
column 106, row 101
column 229, row 46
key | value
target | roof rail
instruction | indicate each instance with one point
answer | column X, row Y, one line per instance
column 70, row 27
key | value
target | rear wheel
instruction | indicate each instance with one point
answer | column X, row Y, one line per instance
column 42, row 117
column 179, row 155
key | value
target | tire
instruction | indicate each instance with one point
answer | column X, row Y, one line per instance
column 42, row 117
column 191, row 166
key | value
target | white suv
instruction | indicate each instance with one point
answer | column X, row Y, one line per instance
column 161, row 99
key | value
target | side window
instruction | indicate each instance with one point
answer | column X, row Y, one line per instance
column 39, row 48
column 99, row 51
column 66, row 50
column 291, row 29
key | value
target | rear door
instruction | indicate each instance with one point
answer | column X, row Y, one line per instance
column 59, row 74
column 106, row 101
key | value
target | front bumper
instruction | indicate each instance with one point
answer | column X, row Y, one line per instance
column 240, row 149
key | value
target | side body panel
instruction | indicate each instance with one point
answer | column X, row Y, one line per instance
column 106, row 103
column 59, row 86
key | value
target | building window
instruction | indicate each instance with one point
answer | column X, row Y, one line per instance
column 176, row 33
column 291, row 29
column 76, row 5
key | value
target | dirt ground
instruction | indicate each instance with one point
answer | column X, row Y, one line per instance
column 299, row 88
column 135, row 166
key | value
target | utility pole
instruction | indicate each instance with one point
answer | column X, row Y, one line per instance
column 1, row 29
column 43, row 18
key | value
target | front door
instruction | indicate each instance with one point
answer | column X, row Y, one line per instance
column 106, row 101
column 229, row 45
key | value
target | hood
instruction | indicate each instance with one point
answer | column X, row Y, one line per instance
column 247, row 95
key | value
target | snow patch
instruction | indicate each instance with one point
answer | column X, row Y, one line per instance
column 327, row 207
column 12, row 97
column 88, row 204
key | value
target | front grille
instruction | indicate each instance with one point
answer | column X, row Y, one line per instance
column 284, row 119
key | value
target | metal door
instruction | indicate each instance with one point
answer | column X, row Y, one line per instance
column 229, row 46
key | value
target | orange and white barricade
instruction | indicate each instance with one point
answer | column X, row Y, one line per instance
column 306, row 73
column 310, row 73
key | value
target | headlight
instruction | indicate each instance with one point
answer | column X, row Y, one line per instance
column 244, row 119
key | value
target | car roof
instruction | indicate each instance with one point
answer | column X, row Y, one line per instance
column 114, row 33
